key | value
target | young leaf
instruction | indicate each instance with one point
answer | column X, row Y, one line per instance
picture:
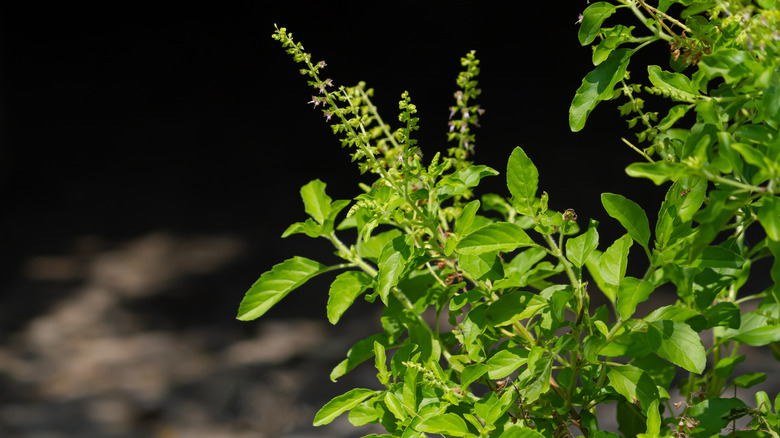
column 359, row 353
column 341, row 404
column 380, row 362
column 630, row 215
column 614, row 261
column 501, row 236
column 522, row 179
column 631, row 292
column 472, row 373
column 658, row 172
column 343, row 291
column 541, row 384
column 275, row 284
column 679, row 344
column 315, row 201
column 466, row 218
column 449, row 424
column 578, row 249
column 597, row 85
column 755, row 330
column 592, row 18
column 633, row 384
column 513, row 307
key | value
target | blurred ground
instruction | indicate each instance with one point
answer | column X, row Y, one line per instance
column 103, row 343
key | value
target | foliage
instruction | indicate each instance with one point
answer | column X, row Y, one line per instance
column 488, row 327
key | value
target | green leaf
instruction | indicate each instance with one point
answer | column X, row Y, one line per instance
column 718, row 257
column 449, row 424
column 472, row 373
column 658, row 172
column 343, row 291
column 522, row 179
column 612, row 39
column 755, row 330
column 517, row 431
column 614, row 261
column 391, row 265
column 275, row 284
column 315, row 201
column 679, row 344
column 466, row 218
column 769, row 216
column 364, row 413
column 513, row 307
column 730, row 64
column 631, row 292
column 676, row 85
column 749, row 380
column 579, row 248
column 633, row 384
column 341, row 404
column 675, row 113
column 630, row 215
column 500, row 236
column 460, row 181
column 359, row 353
column 597, row 85
column 653, row 421
column 540, row 384
column 380, row 362
column 710, row 412
column 482, row 266
column 592, row 18
column 505, row 362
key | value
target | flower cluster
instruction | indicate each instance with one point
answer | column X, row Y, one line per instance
column 459, row 127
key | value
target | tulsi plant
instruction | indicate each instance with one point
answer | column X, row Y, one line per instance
column 488, row 327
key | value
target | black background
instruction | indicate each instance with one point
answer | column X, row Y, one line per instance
column 122, row 120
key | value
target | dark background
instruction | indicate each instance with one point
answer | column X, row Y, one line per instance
column 137, row 126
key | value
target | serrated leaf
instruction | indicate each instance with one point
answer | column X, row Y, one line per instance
column 597, row 85
column 710, row 412
column 343, row 291
column 275, row 284
column 592, row 18
column 315, row 201
column 522, row 181
column 679, row 344
column 633, row 384
column 449, row 424
column 631, row 292
column 500, row 236
column 630, row 215
column 579, row 248
column 505, row 362
column 614, row 261
column 341, row 404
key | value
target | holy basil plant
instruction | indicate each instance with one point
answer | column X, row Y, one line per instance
column 510, row 345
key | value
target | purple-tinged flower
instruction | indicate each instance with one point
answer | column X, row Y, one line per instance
column 451, row 124
column 315, row 100
column 458, row 95
column 328, row 115
column 579, row 19
column 452, row 111
column 465, row 114
column 776, row 35
column 480, row 111
column 321, row 64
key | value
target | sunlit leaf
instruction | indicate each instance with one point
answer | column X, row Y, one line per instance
column 630, row 215
column 522, row 181
column 501, row 236
column 579, row 248
column 275, row 284
column 597, row 85
column 614, row 261
column 341, row 404
column 448, row 423
column 679, row 344
column 343, row 291
column 592, row 18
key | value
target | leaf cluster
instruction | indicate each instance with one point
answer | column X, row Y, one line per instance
column 488, row 327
